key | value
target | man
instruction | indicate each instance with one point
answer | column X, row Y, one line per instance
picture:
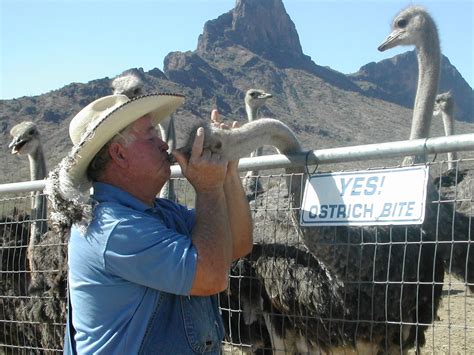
column 144, row 272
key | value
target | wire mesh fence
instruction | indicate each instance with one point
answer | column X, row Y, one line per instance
column 367, row 289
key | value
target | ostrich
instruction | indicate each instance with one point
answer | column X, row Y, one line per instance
column 26, row 141
column 397, row 279
column 43, row 308
column 254, row 100
column 453, row 184
column 414, row 26
column 130, row 84
column 444, row 106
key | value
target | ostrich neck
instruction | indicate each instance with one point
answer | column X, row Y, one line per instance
column 37, row 165
column 429, row 58
column 168, row 132
column 240, row 142
column 251, row 113
column 39, row 207
column 266, row 131
column 448, row 122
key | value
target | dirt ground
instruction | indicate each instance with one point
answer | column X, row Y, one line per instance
column 452, row 333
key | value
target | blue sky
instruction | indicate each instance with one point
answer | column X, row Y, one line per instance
column 47, row 44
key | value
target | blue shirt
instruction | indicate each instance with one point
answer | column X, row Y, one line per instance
column 128, row 274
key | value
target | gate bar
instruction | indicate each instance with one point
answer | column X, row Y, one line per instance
column 460, row 142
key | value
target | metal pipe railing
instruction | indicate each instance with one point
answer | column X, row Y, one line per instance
column 460, row 142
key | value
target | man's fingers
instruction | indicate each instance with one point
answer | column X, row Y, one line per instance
column 180, row 159
column 198, row 143
column 206, row 154
column 215, row 116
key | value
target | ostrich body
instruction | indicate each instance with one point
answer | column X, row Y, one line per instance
column 288, row 300
column 444, row 106
column 26, row 141
column 414, row 26
column 13, row 280
column 394, row 281
column 254, row 100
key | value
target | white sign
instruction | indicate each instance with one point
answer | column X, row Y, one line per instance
column 372, row 197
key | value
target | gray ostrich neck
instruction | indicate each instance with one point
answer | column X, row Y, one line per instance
column 251, row 113
column 429, row 58
column 171, row 135
column 37, row 165
column 241, row 142
column 39, row 205
column 168, row 133
column 448, row 122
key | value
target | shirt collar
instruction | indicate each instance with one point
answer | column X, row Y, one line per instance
column 109, row 193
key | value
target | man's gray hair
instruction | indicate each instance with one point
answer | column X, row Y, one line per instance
column 102, row 158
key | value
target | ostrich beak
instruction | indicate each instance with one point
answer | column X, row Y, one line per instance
column 266, row 96
column 16, row 144
column 390, row 41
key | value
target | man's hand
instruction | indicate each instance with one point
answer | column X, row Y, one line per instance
column 237, row 203
column 217, row 122
column 204, row 170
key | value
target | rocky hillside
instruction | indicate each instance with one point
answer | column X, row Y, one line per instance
column 392, row 80
column 324, row 107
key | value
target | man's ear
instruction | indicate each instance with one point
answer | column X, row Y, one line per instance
column 118, row 154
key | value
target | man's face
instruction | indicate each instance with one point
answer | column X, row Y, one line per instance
column 149, row 161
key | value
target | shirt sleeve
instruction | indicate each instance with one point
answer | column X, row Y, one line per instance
column 143, row 250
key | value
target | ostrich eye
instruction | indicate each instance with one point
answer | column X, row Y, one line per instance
column 402, row 23
column 254, row 94
column 217, row 146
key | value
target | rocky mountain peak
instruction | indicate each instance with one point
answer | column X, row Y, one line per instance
column 262, row 26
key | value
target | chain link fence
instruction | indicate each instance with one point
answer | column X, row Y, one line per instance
column 366, row 289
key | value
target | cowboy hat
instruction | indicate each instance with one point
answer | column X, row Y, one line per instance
column 99, row 122
column 67, row 186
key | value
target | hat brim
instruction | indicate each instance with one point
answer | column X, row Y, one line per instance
column 159, row 106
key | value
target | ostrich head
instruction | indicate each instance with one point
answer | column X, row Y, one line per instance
column 26, row 139
column 410, row 27
column 444, row 103
column 256, row 98
column 128, row 84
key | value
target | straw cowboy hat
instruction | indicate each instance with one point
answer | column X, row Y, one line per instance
column 91, row 129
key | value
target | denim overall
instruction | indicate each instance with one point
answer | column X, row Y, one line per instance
column 196, row 326
column 202, row 332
